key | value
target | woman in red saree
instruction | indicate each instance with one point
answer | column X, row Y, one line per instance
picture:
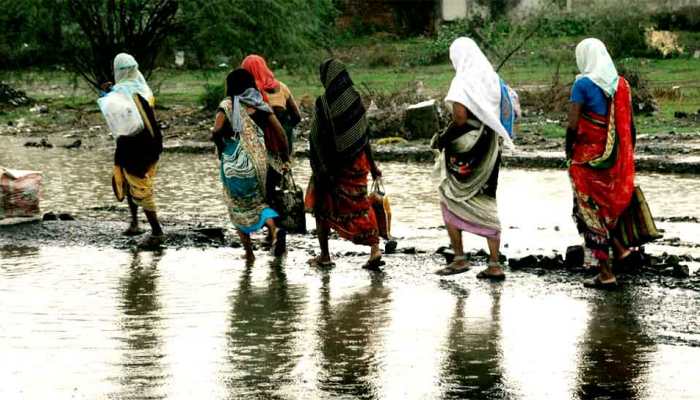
column 341, row 159
column 600, row 150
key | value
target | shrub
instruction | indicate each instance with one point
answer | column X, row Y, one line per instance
column 438, row 50
column 288, row 31
column 556, row 25
column 643, row 100
column 382, row 57
column 213, row 93
column 623, row 30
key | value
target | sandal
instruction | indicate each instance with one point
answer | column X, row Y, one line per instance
column 452, row 268
column 596, row 283
column 374, row 264
column 279, row 246
column 317, row 263
column 492, row 277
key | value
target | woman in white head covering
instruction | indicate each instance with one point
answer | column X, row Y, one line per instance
column 469, row 158
column 136, row 156
column 128, row 79
column 600, row 149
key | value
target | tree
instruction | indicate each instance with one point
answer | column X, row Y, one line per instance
column 287, row 31
column 30, row 32
column 108, row 27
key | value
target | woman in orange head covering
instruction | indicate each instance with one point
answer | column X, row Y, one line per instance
column 276, row 94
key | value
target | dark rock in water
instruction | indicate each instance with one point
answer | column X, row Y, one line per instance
column 672, row 261
column 75, row 145
column 574, row 257
column 409, row 250
column 524, row 262
column 681, row 271
column 481, row 253
column 66, row 217
column 447, row 253
column 680, row 114
column 554, row 262
column 43, row 143
column 49, row 216
column 390, row 247
column 212, row 233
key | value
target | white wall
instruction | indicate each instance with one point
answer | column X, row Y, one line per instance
column 458, row 9
column 453, row 9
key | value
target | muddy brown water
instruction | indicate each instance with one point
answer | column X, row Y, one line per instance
column 95, row 322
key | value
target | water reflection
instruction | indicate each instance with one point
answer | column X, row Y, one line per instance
column 350, row 335
column 262, row 340
column 615, row 350
column 143, row 373
column 471, row 368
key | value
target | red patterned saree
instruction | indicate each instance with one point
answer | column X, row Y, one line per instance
column 602, row 170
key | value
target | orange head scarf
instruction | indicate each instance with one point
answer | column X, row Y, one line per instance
column 264, row 78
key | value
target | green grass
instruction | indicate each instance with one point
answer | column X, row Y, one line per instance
column 532, row 67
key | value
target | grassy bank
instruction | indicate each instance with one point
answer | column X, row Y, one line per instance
column 385, row 66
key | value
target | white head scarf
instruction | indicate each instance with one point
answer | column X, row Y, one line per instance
column 476, row 86
column 595, row 63
column 128, row 79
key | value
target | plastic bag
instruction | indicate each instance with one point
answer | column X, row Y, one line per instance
column 20, row 193
column 121, row 113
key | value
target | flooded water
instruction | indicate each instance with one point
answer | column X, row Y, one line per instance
column 89, row 322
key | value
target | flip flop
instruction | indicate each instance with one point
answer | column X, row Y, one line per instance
column 452, row 269
column 484, row 274
column 596, row 283
column 374, row 264
column 492, row 277
column 280, row 244
column 317, row 263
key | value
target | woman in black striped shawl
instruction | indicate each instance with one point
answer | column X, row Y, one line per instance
column 341, row 158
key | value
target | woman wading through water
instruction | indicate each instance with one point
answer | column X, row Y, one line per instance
column 470, row 155
column 136, row 156
column 240, row 145
column 341, row 159
column 600, row 148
